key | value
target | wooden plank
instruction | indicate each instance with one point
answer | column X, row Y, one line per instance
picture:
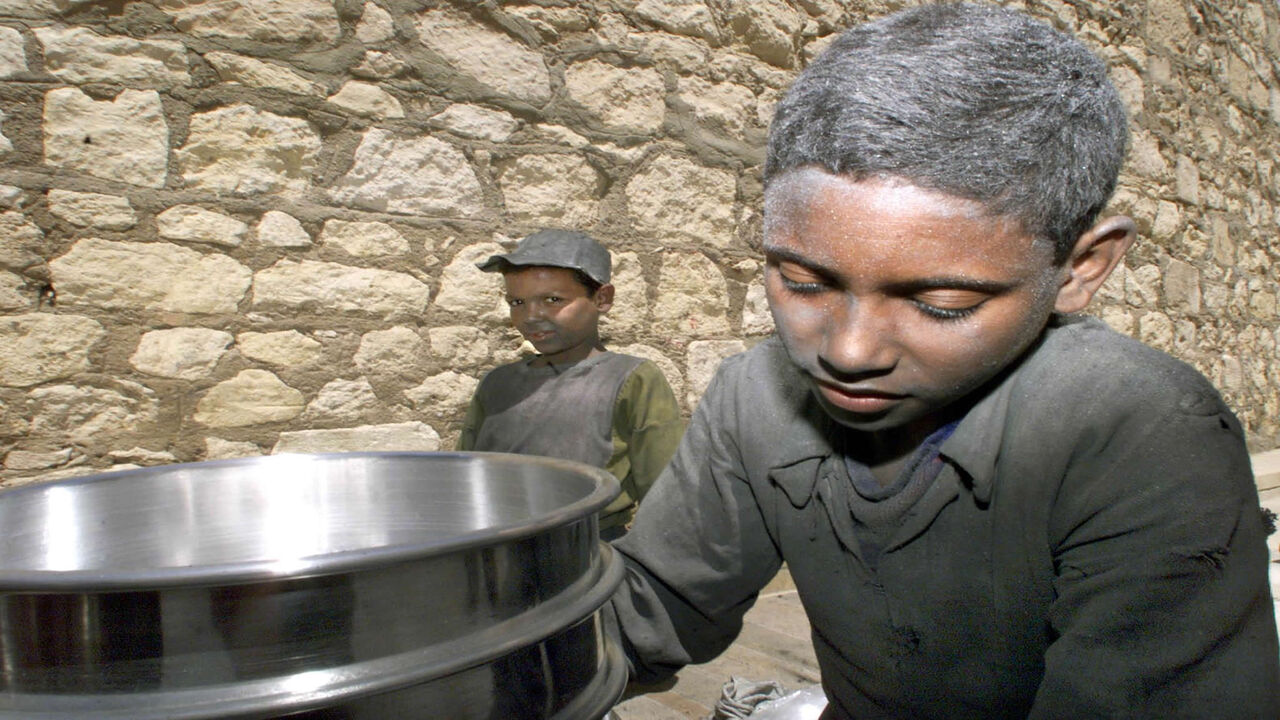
column 783, row 613
column 790, row 651
column 659, row 706
column 774, row 645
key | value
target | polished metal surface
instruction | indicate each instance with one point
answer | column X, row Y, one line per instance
column 335, row 586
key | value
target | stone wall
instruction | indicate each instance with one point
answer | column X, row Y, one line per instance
column 233, row 227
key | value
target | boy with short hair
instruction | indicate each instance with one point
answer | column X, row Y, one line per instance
column 574, row 400
column 990, row 507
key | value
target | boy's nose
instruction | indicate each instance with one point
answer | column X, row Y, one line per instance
column 857, row 342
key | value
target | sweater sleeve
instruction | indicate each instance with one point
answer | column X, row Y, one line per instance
column 698, row 552
column 647, row 421
column 471, row 423
column 1162, row 606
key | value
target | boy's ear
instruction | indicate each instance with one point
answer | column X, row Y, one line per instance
column 604, row 298
column 1095, row 255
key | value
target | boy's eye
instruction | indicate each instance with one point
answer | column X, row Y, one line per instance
column 511, row 302
column 554, row 299
column 799, row 279
column 949, row 304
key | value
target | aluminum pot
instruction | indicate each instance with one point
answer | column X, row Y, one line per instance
column 362, row 585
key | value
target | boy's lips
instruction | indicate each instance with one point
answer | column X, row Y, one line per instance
column 858, row 400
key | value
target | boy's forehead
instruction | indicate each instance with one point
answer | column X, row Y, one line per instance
column 801, row 188
column 808, row 204
column 538, row 278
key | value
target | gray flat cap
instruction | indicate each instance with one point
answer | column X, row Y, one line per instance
column 556, row 248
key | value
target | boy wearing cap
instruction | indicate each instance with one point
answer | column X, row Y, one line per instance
column 991, row 507
column 573, row 400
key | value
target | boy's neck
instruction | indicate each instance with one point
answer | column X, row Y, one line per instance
column 577, row 355
column 886, row 452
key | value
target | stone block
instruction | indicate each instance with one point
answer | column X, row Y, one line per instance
column 279, row 229
column 629, row 313
column 394, row 437
column 342, row 402
column 693, row 19
column 216, row 448
column 623, row 98
column 703, row 359
column 141, row 457
column 30, row 8
column 459, row 346
column 364, row 239
column 192, row 223
column 250, row 72
column 681, row 54
column 376, row 25
column 1119, row 319
column 1181, row 286
column 1185, row 335
column 12, row 293
column 1156, row 329
column 252, row 397
column 1142, row 286
column 469, row 295
column 445, row 395
column 409, row 175
column 92, row 210
column 186, row 353
column 379, row 65
column 324, row 288
column 368, row 100
column 242, row 150
column 1144, row 155
column 1168, row 222
column 397, row 352
column 494, row 59
column 1166, row 24
column 95, row 416
column 769, row 28
column 674, row 197
column 36, row 460
column 557, row 190
column 284, row 348
column 269, row 21
column 756, row 317
column 77, row 55
column 551, row 22
column 39, row 347
column 6, row 145
column 1262, row 304
column 476, row 122
column 125, row 139
column 148, row 276
column 1187, row 177
column 13, row 56
column 692, row 297
column 723, row 106
column 21, row 243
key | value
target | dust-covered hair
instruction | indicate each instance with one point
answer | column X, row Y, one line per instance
column 974, row 101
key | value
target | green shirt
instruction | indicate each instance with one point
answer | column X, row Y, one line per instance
column 611, row 410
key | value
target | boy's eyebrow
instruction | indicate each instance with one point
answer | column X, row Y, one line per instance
column 787, row 255
column 949, row 282
column 905, row 287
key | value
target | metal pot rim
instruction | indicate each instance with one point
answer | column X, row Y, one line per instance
column 90, row 581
